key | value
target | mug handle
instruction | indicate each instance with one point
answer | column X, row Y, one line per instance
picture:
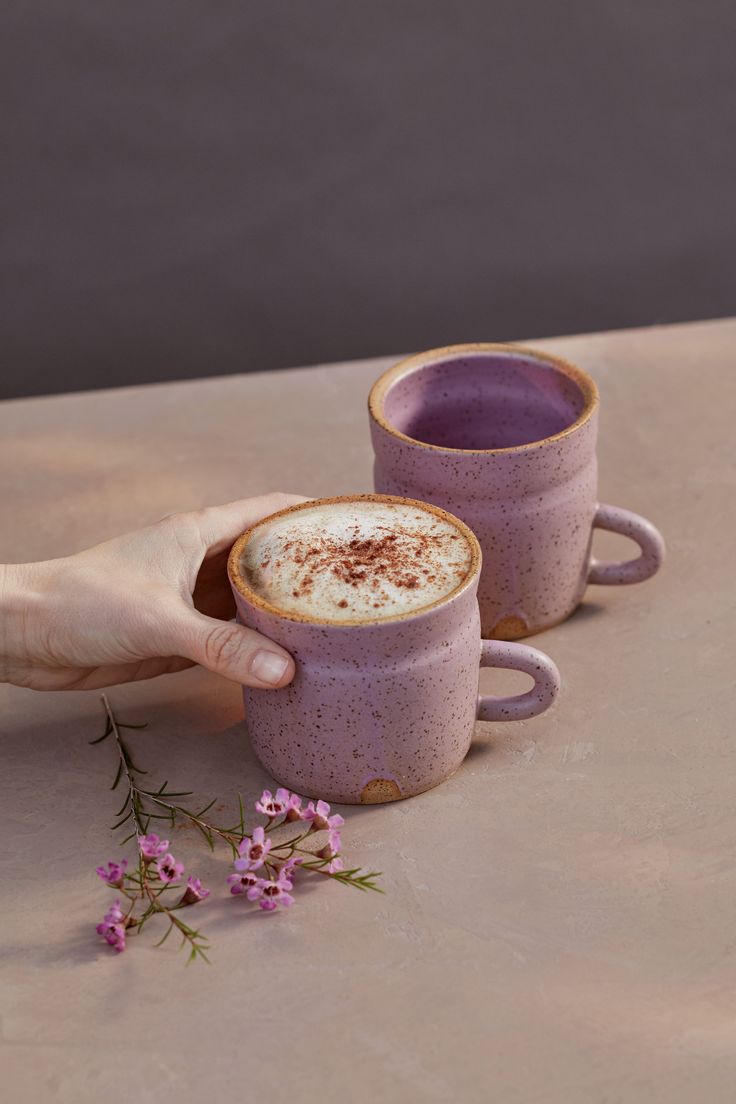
column 518, row 657
column 650, row 541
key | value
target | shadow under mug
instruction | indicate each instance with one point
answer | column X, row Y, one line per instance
column 380, row 709
column 505, row 438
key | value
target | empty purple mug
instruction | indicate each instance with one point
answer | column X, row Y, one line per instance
column 505, row 438
column 380, row 709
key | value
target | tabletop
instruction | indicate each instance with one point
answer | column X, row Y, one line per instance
column 559, row 917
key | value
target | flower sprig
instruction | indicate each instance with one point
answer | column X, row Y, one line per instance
column 295, row 838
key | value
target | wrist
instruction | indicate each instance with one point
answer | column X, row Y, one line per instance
column 21, row 613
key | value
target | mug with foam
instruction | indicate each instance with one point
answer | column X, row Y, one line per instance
column 505, row 438
column 375, row 597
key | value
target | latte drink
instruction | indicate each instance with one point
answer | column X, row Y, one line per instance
column 355, row 560
column 374, row 596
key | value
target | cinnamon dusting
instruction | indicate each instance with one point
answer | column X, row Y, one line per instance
column 373, row 561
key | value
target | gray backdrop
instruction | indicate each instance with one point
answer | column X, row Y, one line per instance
column 197, row 188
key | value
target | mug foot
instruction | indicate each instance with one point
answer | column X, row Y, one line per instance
column 515, row 628
column 508, row 628
column 379, row 790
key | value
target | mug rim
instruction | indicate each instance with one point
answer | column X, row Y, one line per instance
column 240, row 583
column 407, row 365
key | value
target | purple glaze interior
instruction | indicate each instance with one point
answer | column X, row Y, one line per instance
column 484, row 401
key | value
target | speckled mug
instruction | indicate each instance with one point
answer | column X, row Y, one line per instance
column 505, row 438
column 380, row 710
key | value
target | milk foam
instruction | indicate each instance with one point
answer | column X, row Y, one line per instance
column 345, row 560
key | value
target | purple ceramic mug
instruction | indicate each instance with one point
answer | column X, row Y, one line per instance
column 505, row 438
column 380, row 709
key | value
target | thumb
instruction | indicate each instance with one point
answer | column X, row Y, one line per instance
column 230, row 650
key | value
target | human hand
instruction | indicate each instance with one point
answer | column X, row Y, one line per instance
column 149, row 602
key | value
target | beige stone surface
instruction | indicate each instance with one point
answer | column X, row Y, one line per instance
column 559, row 923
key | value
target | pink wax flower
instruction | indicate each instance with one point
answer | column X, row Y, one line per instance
column 295, row 811
column 113, row 873
column 275, row 806
column 168, row 869
column 334, row 865
column 253, row 850
column 114, row 934
column 319, row 815
column 328, row 851
column 194, row 892
column 152, row 847
column 253, row 893
column 112, row 928
column 290, row 866
column 114, row 914
column 243, row 882
column 333, row 840
column 272, row 894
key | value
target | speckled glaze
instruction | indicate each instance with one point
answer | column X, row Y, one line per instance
column 380, row 710
column 505, row 438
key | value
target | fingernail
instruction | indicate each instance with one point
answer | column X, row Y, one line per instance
column 268, row 667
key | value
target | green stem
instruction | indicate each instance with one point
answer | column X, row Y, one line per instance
column 146, row 889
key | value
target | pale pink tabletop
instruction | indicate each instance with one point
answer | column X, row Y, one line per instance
column 560, row 917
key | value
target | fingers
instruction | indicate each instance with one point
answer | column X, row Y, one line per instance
column 220, row 525
column 230, row 650
column 96, row 678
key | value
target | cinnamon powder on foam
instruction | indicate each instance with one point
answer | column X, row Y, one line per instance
column 399, row 557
